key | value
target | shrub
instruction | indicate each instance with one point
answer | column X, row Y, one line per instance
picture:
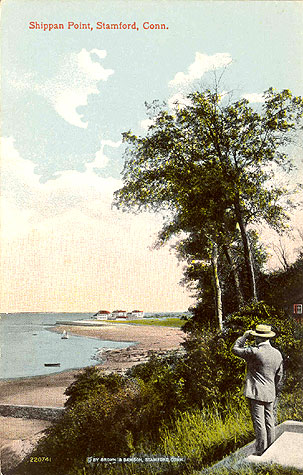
column 161, row 393
column 211, row 372
column 92, row 381
column 99, row 423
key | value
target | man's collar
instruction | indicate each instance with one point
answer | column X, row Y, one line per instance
column 266, row 342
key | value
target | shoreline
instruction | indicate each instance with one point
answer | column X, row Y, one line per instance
column 19, row 436
column 48, row 390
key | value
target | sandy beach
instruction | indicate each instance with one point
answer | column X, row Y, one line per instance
column 49, row 390
column 19, row 436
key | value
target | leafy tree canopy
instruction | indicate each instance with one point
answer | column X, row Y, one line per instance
column 209, row 166
column 208, row 157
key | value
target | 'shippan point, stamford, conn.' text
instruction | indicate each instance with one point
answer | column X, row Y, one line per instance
column 100, row 25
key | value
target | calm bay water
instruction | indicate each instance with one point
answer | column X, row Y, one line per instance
column 26, row 344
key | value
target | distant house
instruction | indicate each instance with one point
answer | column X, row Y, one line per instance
column 119, row 314
column 295, row 309
column 138, row 313
column 103, row 315
column 298, row 310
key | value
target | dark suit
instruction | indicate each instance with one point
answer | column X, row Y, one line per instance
column 263, row 382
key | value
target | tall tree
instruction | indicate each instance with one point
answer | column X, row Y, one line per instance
column 210, row 161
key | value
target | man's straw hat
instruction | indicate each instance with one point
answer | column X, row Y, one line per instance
column 263, row 331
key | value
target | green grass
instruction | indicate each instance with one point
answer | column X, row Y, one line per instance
column 204, row 436
column 167, row 322
column 290, row 406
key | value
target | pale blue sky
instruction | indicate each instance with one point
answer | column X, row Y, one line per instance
column 264, row 40
column 67, row 95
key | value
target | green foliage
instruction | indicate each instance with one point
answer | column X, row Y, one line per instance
column 170, row 469
column 205, row 166
column 98, row 420
column 283, row 287
column 198, row 278
column 161, row 393
column 92, row 381
column 289, row 336
column 167, row 322
column 210, row 370
column 205, row 436
column 290, row 406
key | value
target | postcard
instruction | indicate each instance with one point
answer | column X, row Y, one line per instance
column 94, row 97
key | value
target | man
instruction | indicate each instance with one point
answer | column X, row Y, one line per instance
column 263, row 382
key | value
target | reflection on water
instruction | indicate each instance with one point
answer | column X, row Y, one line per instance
column 27, row 343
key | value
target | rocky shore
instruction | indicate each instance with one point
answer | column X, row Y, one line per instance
column 144, row 341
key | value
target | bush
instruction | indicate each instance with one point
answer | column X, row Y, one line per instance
column 99, row 422
column 210, row 370
column 92, row 381
column 161, row 393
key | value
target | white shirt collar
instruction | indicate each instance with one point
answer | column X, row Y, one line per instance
column 266, row 342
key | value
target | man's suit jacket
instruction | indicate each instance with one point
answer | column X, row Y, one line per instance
column 264, row 369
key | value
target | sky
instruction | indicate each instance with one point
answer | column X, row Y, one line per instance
column 70, row 88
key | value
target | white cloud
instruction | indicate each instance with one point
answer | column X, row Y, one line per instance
column 90, row 68
column 69, row 89
column 146, row 123
column 77, row 79
column 101, row 160
column 254, row 97
column 202, row 64
column 26, row 202
column 66, row 102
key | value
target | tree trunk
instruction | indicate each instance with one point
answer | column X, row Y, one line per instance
column 247, row 254
column 216, row 284
column 235, row 274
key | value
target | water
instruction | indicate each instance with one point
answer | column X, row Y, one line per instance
column 27, row 343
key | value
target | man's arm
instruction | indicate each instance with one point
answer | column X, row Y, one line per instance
column 238, row 348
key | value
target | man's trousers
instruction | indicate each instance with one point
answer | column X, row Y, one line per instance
column 262, row 414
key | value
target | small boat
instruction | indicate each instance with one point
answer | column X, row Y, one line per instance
column 52, row 364
column 64, row 335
